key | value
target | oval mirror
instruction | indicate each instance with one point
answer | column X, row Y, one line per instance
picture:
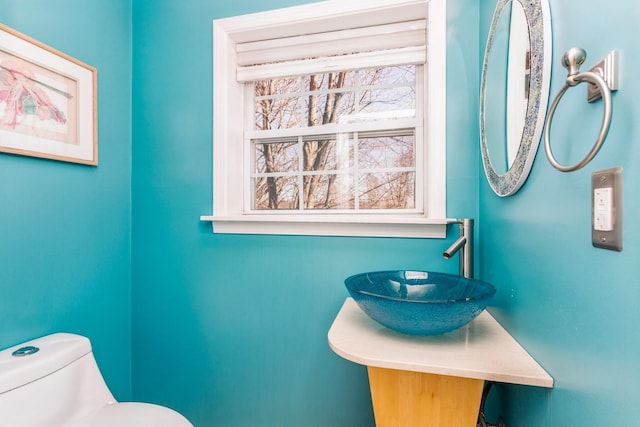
column 514, row 91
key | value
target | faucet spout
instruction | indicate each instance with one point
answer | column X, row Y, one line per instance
column 463, row 245
column 455, row 247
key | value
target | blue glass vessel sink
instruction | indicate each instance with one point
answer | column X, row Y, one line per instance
column 419, row 302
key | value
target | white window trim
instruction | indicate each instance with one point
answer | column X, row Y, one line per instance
column 229, row 167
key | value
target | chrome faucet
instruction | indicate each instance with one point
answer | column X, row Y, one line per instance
column 464, row 245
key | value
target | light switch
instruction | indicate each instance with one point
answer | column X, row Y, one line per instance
column 603, row 209
column 606, row 209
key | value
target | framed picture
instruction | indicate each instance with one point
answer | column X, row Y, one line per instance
column 48, row 101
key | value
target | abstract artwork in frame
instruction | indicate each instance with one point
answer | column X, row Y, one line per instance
column 48, row 101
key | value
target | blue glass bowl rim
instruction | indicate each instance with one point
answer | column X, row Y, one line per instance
column 490, row 290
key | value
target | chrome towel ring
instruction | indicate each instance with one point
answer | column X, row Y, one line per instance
column 572, row 60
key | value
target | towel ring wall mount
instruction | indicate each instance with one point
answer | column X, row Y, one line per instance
column 602, row 79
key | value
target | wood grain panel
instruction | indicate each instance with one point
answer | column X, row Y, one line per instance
column 415, row 399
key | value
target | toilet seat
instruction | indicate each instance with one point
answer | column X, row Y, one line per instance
column 131, row 414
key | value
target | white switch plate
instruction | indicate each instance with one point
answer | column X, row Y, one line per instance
column 606, row 209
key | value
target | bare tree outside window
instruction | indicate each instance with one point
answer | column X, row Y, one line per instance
column 370, row 169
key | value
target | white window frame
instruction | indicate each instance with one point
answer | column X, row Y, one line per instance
column 230, row 163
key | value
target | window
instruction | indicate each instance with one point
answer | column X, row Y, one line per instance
column 329, row 120
column 354, row 143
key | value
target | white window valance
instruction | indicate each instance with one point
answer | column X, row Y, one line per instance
column 379, row 45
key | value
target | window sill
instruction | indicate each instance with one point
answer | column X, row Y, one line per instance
column 335, row 225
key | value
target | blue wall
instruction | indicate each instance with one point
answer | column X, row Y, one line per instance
column 65, row 228
column 238, row 324
column 238, row 339
column 574, row 307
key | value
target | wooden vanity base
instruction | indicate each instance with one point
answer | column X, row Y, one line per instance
column 416, row 399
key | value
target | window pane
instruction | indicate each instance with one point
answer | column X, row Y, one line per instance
column 401, row 100
column 400, row 75
column 390, row 89
column 319, row 172
column 278, row 113
column 392, row 190
column 331, row 191
column 385, row 171
column 276, row 157
column 386, row 152
column 275, row 106
column 279, row 86
column 333, row 107
column 273, row 193
column 327, row 98
column 337, row 97
column 325, row 152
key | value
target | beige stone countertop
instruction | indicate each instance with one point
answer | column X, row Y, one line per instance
column 482, row 350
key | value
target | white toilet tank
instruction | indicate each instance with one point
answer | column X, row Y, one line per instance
column 54, row 381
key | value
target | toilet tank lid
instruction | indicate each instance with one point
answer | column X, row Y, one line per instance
column 54, row 352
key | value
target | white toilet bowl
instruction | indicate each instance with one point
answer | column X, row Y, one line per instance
column 132, row 414
column 54, row 381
